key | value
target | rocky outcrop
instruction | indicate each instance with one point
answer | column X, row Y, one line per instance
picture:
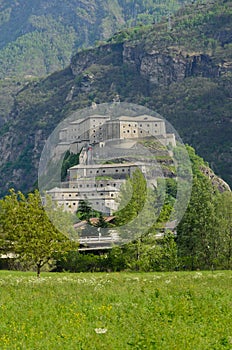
column 216, row 181
column 156, row 66
column 103, row 55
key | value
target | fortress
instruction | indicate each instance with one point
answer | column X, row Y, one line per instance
column 98, row 128
column 91, row 137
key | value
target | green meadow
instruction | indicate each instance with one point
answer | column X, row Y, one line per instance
column 178, row 310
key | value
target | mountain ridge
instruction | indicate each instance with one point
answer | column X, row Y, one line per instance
column 40, row 38
column 190, row 85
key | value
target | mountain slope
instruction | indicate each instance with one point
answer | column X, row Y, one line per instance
column 39, row 36
column 184, row 73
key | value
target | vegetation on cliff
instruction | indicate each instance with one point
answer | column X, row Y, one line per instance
column 182, row 72
column 39, row 38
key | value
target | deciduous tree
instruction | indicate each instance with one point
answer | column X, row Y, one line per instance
column 28, row 232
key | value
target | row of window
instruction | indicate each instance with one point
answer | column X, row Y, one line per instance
column 141, row 131
column 74, row 203
column 93, row 194
column 141, row 125
column 103, row 171
column 93, row 185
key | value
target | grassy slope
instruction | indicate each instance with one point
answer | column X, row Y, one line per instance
column 165, row 311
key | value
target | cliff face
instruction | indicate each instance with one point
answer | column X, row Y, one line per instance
column 159, row 68
column 184, row 74
column 59, row 28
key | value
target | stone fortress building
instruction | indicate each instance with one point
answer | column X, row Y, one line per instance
column 100, row 183
column 98, row 128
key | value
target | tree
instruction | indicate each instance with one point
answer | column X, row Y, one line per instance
column 85, row 211
column 196, row 230
column 223, row 228
column 101, row 222
column 28, row 232
column 136, row 213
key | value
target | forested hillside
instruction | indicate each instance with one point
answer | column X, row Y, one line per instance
column 40, row 36
column 182, row 70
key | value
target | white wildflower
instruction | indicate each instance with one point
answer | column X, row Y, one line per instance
column 101, row 330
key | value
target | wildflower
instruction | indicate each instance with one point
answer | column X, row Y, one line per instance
column 101, row 330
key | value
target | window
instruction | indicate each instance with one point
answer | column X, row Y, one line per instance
column 134, row 131
column 111, row 195
column 70, row 195
column 128, row 130
column 103, row 171
column 123, row 170
column 116, row 170
column 141, row 132
column 148, row 125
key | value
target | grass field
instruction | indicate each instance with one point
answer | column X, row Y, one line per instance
column 179, row 310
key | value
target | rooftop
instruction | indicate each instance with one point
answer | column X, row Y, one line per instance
column 140, row 118
column 102, row 166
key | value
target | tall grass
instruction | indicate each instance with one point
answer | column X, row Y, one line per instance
column 179, row 310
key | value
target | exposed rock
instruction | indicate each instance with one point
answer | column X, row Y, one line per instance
column 106, row 54
column 220, row 184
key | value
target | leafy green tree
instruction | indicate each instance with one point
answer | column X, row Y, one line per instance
column 223, row 230
column 137, row 209
column 134, row 189
column 27, row 231
column 150, row 253
column 196, row 230
column 62, row 219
